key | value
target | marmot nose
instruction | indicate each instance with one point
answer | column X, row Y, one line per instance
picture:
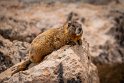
column 80, row 29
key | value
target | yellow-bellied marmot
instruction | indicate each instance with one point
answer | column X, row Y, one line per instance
column 52, row 39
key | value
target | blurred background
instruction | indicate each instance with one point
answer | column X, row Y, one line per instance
column 102, row 22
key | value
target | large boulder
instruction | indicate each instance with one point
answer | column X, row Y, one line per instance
column 69, row 64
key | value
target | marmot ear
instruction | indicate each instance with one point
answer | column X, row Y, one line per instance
column 69, row 23
column 70, row 16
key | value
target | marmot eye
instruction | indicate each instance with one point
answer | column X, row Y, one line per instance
column 73, row 25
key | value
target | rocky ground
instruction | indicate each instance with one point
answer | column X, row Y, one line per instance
column 103, row 25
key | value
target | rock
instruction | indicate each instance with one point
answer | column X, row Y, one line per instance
column 110, row 55
column 66, row 65
column 22, row 20
column 15, row 29
column 112, row 50
column 112, row 73
column 11, row 52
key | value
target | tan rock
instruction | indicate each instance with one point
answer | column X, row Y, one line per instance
column 11, row 52
column 66, row 65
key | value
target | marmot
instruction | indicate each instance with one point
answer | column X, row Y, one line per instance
column 52, row 39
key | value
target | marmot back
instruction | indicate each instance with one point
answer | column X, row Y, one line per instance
column 53, row 39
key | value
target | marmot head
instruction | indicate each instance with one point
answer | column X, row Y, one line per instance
column 74, row 28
